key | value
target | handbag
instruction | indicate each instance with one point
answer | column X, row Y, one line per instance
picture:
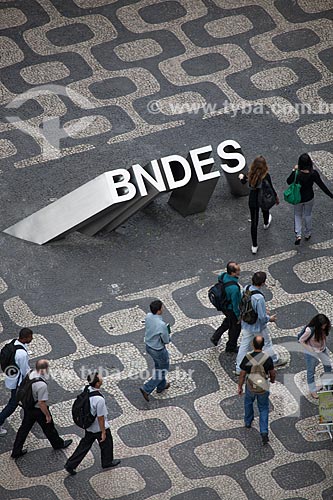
column 292, row 194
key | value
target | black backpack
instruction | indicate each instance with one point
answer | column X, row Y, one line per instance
column 81, row 408
column 218, row 296
column 266, row 195
column 247, row 313
column 24, row 396
column 7, row 358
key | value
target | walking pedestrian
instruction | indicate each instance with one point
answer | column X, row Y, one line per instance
column 256, row 368
column 99, row 429
column 39, row 413
column 306, row 177
column 231, row 321
column 258, row 175
column 17, row 361
column 313, row 338
column 157, row 336
column 261, row 319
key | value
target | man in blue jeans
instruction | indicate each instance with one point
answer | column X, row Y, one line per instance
column 256, row 368
column 260, row 327
column 156, row 337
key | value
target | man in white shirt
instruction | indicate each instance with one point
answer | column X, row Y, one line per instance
column 99, row 429
column 39, row 413
column 15, row 376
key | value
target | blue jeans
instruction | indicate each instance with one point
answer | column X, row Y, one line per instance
column 263, row 407
column 162, row 363
column 312, row 360
column 246, row 346
column 9, row 408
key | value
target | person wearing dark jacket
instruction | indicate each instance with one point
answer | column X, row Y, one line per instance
column 306, row 177
column 257, row 173
column 231, row 321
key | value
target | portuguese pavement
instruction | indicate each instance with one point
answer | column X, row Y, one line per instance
column 156, row 76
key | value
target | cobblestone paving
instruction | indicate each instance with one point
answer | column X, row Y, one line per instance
column 86, row 305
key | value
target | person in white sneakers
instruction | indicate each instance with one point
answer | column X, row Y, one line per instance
column 257, row 176
column 15, row 363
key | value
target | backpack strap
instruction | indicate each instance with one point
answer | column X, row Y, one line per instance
column 255, row 292
column 228, row 283
column 37, row 379
column 253, row 360
column 17, row 347
column 94, row 393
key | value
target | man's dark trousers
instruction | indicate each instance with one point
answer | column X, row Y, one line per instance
column 231, row 324
column 30, row 417
column 9, row 408
column 86, row 443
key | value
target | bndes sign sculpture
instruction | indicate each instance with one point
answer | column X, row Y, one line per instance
column 111, row 198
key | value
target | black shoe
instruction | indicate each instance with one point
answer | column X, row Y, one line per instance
column 114, row 463
column 307, row 238
column 145, row 394
column 70, row 471
column 67, row 442
column 233, row 350
column 21, row 454
column 298, row 241
column 265, row 439
column 165, row 388
column 248, row 426
column 213, row 341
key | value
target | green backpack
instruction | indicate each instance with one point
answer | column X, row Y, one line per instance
column 292, row 194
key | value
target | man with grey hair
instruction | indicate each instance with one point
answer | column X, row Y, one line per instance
column 39, row 412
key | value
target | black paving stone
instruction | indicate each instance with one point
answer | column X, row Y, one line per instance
column 198, row 494
column 204, row 65
column 44, row 462
column 112, row 88
column 105, row 364
column 150, row 431
column 326, row 56
column 162, row 13
column 298, row 474
column 69, row 35
column 296, row 40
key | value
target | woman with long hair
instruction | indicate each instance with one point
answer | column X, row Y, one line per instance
column 306, row 177
column 314, row 341
column 257, row 174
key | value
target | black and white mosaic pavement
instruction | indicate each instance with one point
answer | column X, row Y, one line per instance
column 123, row 77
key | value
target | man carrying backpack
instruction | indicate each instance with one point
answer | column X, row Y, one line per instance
column 232, row 299
column 14, row 360
column 256, row 367
column 99, row 429
column 255, row 320
column 34, row 399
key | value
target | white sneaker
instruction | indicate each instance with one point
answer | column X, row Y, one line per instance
column 254, row 249
column 266, row 226
column 3, row 431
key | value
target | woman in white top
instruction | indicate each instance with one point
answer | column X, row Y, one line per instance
column 314, row 342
